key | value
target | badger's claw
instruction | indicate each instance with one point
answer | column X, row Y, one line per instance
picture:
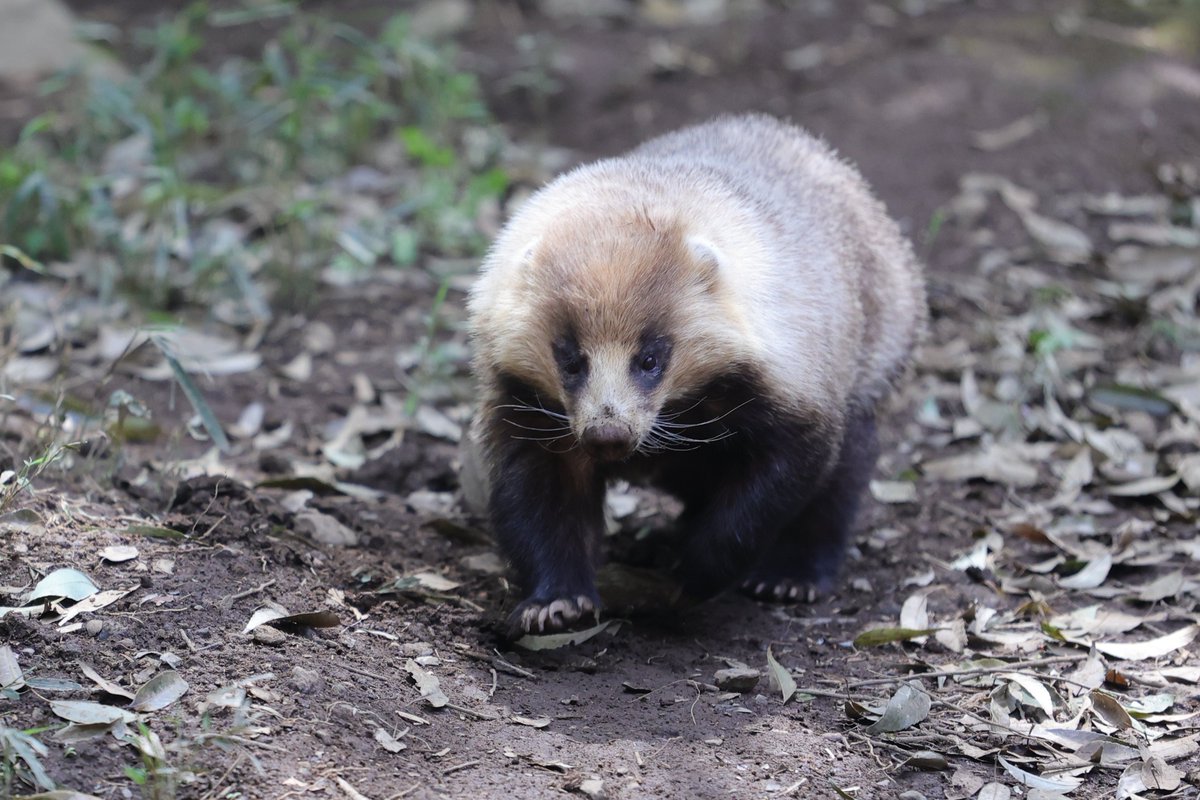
column 781, row 590
column 536, row 616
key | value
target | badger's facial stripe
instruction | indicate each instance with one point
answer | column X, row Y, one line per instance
column 572, row 363
column 649, row 363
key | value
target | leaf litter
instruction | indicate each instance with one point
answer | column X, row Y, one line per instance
column 1093, row 444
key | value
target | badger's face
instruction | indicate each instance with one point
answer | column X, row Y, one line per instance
column 611, row 321
column 614, row 389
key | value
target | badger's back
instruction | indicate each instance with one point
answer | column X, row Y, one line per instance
column 834, row 243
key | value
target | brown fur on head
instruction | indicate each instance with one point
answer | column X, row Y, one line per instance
column 611, row 318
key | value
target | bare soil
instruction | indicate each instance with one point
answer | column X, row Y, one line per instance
column 634, row 706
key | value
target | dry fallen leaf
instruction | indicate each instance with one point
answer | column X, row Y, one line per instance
column 780, row 678
column 877, row 636
column 532, row 722
column 117, row 553
column 11, row 676
column 427, row 683
column 160, row 692
column 908, row 706
column 1152, row 648
column 894, row 491
column 1091, row 576
column 553, row 641
column 1153, row 774
column 105, row 685
column 389, row 742
column 1061, row 784
column 1109, row 709
column 997, row 465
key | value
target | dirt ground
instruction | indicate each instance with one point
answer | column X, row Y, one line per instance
column 635, row 707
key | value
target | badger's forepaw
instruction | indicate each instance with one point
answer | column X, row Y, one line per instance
column 782, row 590
column 537, row 616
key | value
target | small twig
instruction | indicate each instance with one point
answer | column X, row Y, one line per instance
column 791, row 789
column 501, row 664
column 952, row 673
column 405, row 793
column 962, row 513
column 366, row 673
column 211, row 502
column 350, row 791
column 212, row 527
column 985, row 720
column 492, row 691
column 146, row 612
column 871, row 748
column 825, row 693
column 457, row 767
column 657, row 752
column 233, row 598
column 228, row 737
column 217, row 786
column 470, row 712
column 355, row 711
column 453, row 598
column 664, row 686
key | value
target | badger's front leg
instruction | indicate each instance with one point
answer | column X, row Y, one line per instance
column 753, row 492
column 547, row 510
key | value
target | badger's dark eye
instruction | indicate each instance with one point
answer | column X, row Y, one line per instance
column 572, row 363
column 650, row 361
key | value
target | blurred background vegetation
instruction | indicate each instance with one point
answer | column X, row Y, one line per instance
column 203, row 177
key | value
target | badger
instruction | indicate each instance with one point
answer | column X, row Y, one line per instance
column 717, row 314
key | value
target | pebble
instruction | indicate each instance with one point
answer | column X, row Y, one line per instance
column 416, row 649
column 737, row 679
column 306, row 681
column 265, row 634
column 324, row 529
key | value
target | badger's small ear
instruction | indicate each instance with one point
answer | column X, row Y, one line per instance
column 525, row 259
column 524, row 272
column 707, row 258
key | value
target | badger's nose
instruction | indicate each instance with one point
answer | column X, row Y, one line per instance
column 608, row 442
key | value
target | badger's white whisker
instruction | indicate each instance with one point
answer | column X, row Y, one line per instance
column 546, row 445
column 675, row 414
column 680, row 437
column 663, row 421
column 540, row 438
column 656, row 442
column 667, row 437
column 527, row 407
column 535, row 428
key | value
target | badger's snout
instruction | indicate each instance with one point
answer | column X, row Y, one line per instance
column 608, row 441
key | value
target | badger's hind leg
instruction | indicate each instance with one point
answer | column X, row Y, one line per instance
column 805, row 559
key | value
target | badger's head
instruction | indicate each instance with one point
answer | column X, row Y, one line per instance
column 609, row 323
